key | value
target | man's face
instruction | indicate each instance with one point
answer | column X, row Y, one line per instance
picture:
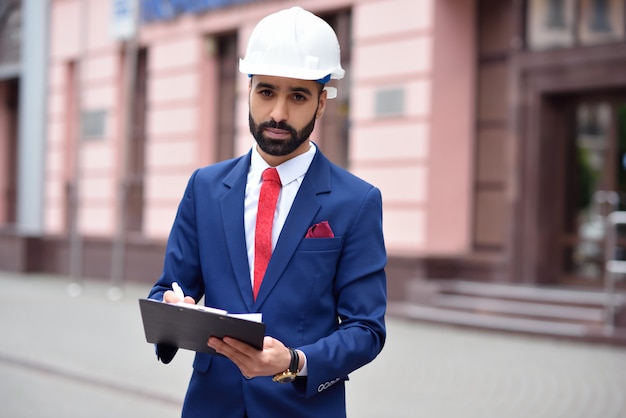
column 283, row 113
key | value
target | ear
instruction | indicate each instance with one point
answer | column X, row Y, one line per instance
column 321, row 104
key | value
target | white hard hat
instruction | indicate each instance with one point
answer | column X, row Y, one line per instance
column 294, row 43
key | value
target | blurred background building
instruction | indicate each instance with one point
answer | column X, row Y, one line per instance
column 496, row 130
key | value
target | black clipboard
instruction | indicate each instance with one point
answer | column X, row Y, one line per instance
column 190, row 327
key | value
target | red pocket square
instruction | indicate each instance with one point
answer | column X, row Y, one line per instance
column 320, row 230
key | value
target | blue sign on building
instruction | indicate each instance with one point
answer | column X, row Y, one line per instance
column 123, row 24
column 159, row 10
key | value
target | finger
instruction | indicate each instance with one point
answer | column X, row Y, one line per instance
column 216, row 344
column 240, row 359
column 170, row 297
column 221, row 347
column 236, row 350
column 239, row 345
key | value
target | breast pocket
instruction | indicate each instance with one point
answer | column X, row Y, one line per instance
column 320, row 244
column 315, row 260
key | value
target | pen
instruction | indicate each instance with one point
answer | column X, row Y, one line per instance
column 178, row 291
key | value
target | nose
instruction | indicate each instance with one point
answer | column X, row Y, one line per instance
column 280, row 112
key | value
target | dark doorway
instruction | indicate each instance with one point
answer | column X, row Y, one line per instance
column 227, row 94
column 592, row 178
column 332, row 130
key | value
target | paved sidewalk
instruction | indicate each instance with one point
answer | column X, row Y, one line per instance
column 86, row 356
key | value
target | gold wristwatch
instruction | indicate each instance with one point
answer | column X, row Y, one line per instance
column 290, row 374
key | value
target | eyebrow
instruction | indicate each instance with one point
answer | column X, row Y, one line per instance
column 297, row 89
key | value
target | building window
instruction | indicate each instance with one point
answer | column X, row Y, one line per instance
column 601, row 21
column 556, row 14
column 10, row 32
column 569, row 23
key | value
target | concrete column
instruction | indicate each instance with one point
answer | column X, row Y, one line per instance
column 32, row 118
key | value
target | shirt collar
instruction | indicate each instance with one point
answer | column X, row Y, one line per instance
column 288, row 171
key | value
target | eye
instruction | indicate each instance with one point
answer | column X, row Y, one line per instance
column 265, row 93
column 299, row 97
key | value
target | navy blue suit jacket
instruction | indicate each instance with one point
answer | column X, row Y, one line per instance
column 324, row 296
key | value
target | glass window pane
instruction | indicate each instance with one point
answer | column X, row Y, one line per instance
column 550, row 23
column 594, row 188
column 601, row 21
column 10, row 35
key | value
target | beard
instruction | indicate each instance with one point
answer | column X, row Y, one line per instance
column 279, row 147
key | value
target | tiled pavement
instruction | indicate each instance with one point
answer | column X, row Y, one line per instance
column 85, row 356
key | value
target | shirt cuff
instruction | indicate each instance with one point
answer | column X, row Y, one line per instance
column 305, row 370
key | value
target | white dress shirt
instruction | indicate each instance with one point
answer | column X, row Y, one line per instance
column 291, row 173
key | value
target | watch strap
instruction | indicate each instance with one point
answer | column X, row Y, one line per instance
column 295, row 360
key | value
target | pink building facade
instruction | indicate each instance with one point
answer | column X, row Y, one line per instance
column 406, row 52
column 495, row 129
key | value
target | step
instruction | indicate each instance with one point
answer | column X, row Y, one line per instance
column 529, row 293
column 511, row 307
column 441, row 315
column 597, row 332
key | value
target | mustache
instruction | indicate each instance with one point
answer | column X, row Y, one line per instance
column 278, row 125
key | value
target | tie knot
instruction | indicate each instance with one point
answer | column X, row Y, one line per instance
column 271, row 174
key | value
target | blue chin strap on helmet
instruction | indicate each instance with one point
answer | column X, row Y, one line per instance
column 324, row 80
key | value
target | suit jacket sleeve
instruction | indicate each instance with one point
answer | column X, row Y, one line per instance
column 181, row 256
column 360, row 292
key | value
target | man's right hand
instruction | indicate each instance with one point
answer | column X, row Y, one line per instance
column 170, row 297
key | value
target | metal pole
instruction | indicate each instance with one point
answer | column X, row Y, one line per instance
column 118, row 259
column 76, row 244
column 613, row 268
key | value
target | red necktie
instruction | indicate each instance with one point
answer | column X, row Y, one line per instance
column 264, row 220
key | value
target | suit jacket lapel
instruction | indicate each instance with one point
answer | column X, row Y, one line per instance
column 300, row 218
column 232, row 206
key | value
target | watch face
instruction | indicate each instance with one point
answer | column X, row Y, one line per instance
column 285, row 377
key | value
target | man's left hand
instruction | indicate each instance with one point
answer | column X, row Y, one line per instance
column 273, row 359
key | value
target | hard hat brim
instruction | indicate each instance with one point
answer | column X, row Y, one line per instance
column 288, row 72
